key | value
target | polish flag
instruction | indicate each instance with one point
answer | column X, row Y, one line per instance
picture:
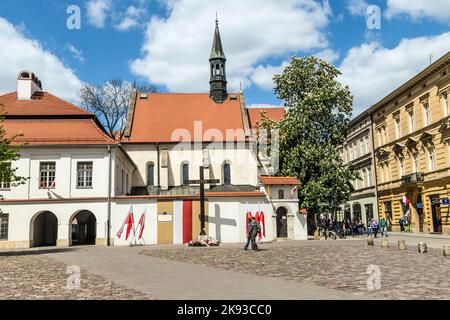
column 293, row 191
column 130, row 223
column 405, row 200
column 248, row 215
column 119, row 233
column 263, row 223
column 142, row 224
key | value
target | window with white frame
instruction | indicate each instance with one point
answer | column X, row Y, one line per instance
column 226, row 173
column 369, row 176
column 5, row 177
column 47, row 174
column 445, row 103
column 416, row 162
column 397, row 127
column 431, row 159
column 4, row 222
column 427, row 115
column 411, row 121
column 367, row 144
column 84, row 174
column 185, row 173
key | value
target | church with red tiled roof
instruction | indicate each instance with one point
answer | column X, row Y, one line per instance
column 189, row 161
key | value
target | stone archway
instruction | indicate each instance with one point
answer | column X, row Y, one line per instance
column 82, row 228
column 43, row 229
column 282, row 222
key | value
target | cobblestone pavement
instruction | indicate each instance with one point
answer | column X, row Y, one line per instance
column 341, row 264
column 34, row 277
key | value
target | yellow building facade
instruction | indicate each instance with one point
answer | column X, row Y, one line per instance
column 411, row 128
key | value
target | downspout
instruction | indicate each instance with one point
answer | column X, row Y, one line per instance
column 108, row 223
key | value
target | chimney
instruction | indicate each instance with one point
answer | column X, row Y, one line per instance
column 27, row 85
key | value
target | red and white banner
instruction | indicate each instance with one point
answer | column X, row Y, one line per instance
column 141, row 223
column 130, row 212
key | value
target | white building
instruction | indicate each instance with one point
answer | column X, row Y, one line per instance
column 82, row 183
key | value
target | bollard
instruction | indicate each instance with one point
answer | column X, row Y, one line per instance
column 384, row 243
column 370, row 241
column 446, row 250
column 402, row 244
column 422, row 246
column 316, row 235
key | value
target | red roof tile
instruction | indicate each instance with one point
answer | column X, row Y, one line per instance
column 158, row 117
column 275, row 114
column 46, row 105
column 279, row 180
column 56, row 131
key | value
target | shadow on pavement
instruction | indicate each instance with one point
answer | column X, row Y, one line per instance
column 36, row 251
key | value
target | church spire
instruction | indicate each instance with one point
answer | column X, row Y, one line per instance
column 217, row 61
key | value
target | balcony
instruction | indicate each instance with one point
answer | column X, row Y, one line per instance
column 412, row 178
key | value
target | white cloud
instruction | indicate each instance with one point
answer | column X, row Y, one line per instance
column 76, row 53
column 23, row 53
column 417, row 9
column 176, row 48
column 357, row 7
column 131, row 18
column 97, row 11
column 328, row 55
column 373, row 71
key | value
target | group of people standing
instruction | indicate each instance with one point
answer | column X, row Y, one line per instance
column 357, row 227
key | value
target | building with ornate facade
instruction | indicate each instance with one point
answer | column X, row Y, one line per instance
column 358, row 151
column 412, row 150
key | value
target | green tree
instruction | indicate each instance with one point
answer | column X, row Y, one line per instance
column 9, row 151
column 318, row 110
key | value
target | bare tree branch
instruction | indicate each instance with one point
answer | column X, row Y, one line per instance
column 109, row 101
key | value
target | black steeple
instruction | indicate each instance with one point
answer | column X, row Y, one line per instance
column 217, row 61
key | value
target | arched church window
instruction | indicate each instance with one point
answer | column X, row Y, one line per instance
column 185, row 173
column 226, row 173
column 150, row 174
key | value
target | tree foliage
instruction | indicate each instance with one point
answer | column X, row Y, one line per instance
column 318, row 110
column 9, row 152
column 110, row 101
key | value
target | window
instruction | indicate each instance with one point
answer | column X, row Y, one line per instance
column 84, row 175
column 47, row 171
column 5, row 177
column 150, row 174
column 226, row 174
column 402, row 167
column 397, row 127
column 4, row 217
column 445, row 103
column 416, row 163
column 280, row 194
column 426, row 110
column 369, row 176
column 432, row 160
column 185, row 173
column 411, row 121
column 367, row 145
column 380, row 142
column 123, row 182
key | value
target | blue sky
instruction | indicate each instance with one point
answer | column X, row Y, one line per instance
column 167, row 42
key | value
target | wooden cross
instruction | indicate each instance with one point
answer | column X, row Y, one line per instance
column 202, row 182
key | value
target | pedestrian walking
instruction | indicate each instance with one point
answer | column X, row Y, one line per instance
column 249, row 234
column 401, row 222
column 383, row 227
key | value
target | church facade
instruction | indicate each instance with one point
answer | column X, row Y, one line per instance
column 82, row 184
